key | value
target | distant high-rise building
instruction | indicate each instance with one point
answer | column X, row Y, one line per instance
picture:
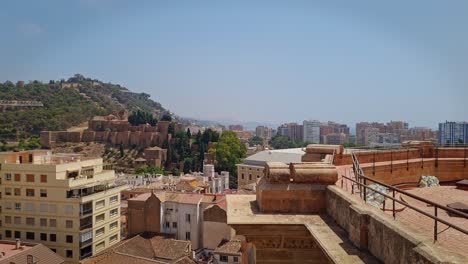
column 291, row 130
column 452, row 133
column 332, row 128
column 311, row 132
column 264, row 132
column 236, row 127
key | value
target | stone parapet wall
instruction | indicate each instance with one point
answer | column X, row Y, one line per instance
column 371, row 230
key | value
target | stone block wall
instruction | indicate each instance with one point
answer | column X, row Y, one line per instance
column 391, row 242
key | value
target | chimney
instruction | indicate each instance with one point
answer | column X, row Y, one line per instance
column 18, row 243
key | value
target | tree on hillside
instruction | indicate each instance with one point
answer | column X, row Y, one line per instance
column 255, row 140
column 228, row 152
column 141, row 117
column 283, row 142
column 166, row 117
column 149, row 170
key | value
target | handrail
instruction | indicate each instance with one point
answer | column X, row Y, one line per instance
column 361, row 181
column 414, row 208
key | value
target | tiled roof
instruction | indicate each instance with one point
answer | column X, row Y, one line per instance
column 231, row 247
column 145, row 250
column 41, row 253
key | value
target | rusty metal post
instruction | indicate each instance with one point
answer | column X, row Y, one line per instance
column 464, row 161
column 393, row 201
column 373, row 165
column 422, row 158
column 435, row 223
column 391, row 161
column 365, row 188
column 437, row 157
column 407, row 159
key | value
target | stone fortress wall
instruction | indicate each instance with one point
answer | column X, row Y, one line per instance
column 113, row 131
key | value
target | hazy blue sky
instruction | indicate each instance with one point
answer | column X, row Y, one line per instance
column 269, row 61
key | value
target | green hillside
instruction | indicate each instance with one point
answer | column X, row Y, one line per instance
column 66, row 103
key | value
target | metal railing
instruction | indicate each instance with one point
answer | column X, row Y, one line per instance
column 361, row 181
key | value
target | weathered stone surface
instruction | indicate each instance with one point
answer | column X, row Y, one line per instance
column 277, row 172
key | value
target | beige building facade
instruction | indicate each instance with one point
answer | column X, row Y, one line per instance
column 69, row 204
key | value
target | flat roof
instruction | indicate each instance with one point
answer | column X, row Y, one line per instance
column 279, row 155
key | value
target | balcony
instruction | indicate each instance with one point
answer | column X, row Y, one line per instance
column 84, row 243
column 86, row 223
column 86, row 252
column 90, row 190
column 86, row 209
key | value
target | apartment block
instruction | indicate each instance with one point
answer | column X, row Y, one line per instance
column 311, row 132
column 452, row 133
column 64, row 201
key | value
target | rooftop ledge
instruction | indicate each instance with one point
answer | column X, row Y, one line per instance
column 243, row 210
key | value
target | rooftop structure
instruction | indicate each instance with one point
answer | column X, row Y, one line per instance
column 300, row 215
column 251, row 169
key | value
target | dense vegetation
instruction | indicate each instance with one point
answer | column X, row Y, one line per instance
column 228, row 152
column 141, row 117
column 65, row 107
column 190, row 149
column 283, row 142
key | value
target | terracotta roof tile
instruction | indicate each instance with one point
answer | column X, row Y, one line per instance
column 232, row 247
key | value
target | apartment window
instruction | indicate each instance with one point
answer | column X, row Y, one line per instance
column 43, row 178
column 54, row 250
column 30, row 207
column 113, row 238
column 29, row 177
column 7, row 191
column 43, row 207
column 8, row 176
column 17, row 177
column 113, row 225
column 30, row 235
column 100, row 204
column 68, row 208
column 7, row 219
column 8, row 205
column 187, row 235
column 174, row 224
column 187, row 218
column 100, row 246
column 99, row 218
column 30, row 221
column 17, row 234
column 30, row 192
column 43, row 192
column 53, row 237
column 100, row 232
column 53, row 222
column 8, row 233
column 17, row 220
column 223, row 258
column 52, row 208
column 69, row 253
column 17, row 206
column 250, row 177
column 235, row 259
column 43, row 222
column 43, row 236
column 69, row 239
column 114, row 199
column 167, row 224
column 114, row 212
column 258, row 176
column 17, row 192
column 69, row 223
column 242, row 175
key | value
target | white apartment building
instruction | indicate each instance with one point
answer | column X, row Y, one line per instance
column 311, row 132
